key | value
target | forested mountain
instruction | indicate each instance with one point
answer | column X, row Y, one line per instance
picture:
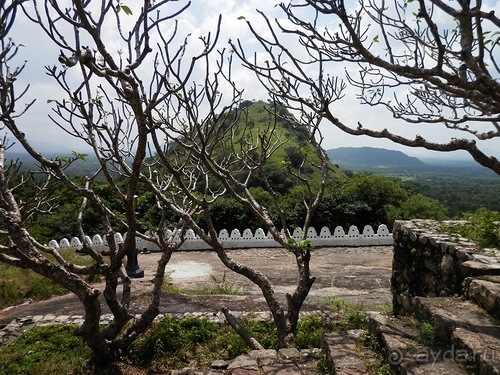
column 265, row 138
column 82, row 167
column 359, row 157
column 462, row 186
column 257, row 119
column 380, row 160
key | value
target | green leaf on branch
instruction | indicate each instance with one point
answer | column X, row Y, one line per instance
column 79, row 156
column 125, row 8
column 299, row 246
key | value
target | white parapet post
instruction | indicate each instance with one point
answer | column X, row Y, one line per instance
column 248, row 239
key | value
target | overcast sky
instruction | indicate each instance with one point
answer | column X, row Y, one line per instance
column 201, row 18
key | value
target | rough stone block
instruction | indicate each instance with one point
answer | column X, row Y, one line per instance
column 481, row 348
column 341, row 353
column 243, row 361
column 474, row 268
column 486, row 292
column 265, row 356
column 399, row 339
column 464, row 326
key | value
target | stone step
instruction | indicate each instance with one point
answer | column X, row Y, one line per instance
column 468, row 330
column 287, row 361
column 341, row 353
column 485, row 291
column 482, row 266
column 401, row 345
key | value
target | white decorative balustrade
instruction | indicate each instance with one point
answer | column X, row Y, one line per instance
column 248, row 239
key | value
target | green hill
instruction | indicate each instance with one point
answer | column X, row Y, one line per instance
column 258, row 133
column 257, row 119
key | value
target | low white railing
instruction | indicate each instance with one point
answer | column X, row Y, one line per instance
column 237, row 240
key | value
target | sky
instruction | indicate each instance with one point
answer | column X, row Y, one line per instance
column 199, row 19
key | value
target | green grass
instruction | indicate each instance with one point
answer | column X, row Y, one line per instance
column 386, row 308
column 177, row 344
column 220, row 286
column 310, row 330
column 17, row 284
column 169, row 344
column 197, row 342
column 350, row 315
column 427, row 334
column 45, row 350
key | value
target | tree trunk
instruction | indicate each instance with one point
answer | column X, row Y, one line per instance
column 240, row 330
column 275, row 307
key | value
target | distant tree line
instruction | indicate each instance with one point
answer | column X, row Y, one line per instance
column 468, row 193
column 360, row 199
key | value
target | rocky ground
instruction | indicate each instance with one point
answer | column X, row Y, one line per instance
column 354, row 274
column 360, row 274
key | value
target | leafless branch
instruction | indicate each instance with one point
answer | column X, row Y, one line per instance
column 425, row 71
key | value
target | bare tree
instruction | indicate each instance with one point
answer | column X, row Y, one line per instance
column 113, row 118
column 224, row 155
column 152, row 111
column 426, row 62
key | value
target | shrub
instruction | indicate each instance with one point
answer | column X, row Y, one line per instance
column 171, row 341
column 484, row 227
column 418, row 206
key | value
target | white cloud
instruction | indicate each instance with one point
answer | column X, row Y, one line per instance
column 200, row 19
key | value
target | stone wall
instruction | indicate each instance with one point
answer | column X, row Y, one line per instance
column 429, row 262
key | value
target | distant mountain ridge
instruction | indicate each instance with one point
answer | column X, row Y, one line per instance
column 381, row 160
column 373, row 158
